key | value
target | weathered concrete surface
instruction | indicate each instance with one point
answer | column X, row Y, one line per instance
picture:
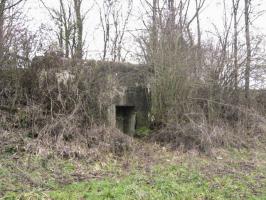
column 133, row 107
column 122, row 89
column 133, row 95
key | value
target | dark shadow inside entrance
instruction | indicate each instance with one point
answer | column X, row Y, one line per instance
column 126, row 119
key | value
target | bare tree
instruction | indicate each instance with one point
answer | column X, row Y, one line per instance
column 105, row 15
column 69, row 22
column 235, row 4
column 120, row 20
column 154, row 36
column 114, row 19
column 79, row 27
column 248, row 48
column 172, row 13
column 199, row 6
column 63, row 19
column 5, row 5
column 68, row 25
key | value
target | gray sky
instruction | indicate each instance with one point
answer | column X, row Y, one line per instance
column 212, row 14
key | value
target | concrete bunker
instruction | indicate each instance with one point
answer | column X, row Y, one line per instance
column 120, row 92
column 126, row 119
column 129, row 112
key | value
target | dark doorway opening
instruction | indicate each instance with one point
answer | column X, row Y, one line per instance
column 126, row 119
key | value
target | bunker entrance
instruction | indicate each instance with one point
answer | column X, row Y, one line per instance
column 126, row 119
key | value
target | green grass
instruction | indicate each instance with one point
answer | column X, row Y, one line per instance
column 171, row 182
column 236, row 175
column 142, row 132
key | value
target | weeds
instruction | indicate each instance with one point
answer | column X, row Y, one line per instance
column 161, row 175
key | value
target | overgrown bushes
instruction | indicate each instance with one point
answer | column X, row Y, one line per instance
column 203, row 116
column 62, row 109
column 195, row 103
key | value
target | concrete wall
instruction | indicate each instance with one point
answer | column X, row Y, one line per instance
column 138, row 99
column 114, row 84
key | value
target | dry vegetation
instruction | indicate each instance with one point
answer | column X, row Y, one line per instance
column 207, row 124
column 61, row 110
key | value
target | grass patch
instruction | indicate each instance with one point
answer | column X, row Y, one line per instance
column 233, row 175
column 172, row 182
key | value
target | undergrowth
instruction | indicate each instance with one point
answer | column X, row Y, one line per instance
column 228, row 174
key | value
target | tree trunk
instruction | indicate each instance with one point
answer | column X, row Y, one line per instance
column 154, row 32
column 79, row 26
column 2, row 9
column 248, row 48
column 67, row 31
column 235, row 43
column 171, row 8
column 61, row 32
column 235, row 11
column 199, row 58
column 106, row 34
